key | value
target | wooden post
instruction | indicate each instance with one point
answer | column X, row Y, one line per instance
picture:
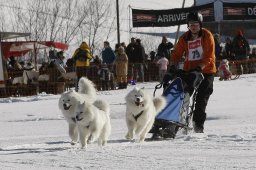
column 118, row 25
column 178, row 29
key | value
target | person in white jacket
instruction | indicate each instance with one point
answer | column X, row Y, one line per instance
column 163, row 65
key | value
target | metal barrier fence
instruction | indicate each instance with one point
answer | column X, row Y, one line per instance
column 57, row 83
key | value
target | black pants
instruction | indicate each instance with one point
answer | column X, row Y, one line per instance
column 204, row 91
column 80, row 72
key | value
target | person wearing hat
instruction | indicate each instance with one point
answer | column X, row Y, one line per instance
column 198, row 47
column 164, row 48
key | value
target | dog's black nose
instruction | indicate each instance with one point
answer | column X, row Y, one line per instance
column 79, row 118
column 137, row 99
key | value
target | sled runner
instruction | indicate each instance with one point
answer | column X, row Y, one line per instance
column 180, row 94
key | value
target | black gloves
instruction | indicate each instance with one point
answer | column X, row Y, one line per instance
column 172, row 69
column 198, row 69
column 169, row 76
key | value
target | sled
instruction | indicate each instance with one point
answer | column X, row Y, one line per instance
column 236, row 70
column 180, row 94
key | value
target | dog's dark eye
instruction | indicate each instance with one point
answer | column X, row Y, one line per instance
column 81, row 112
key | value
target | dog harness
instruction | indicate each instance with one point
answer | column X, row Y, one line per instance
column 74, row 119
column 138, row 115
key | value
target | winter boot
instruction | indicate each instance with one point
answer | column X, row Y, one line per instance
column 156, row 133
column 198, row 128
column 156, row 136
column 120, row 86
column 170, row 131
column 124, row 85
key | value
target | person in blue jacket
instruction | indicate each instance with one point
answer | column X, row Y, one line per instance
column 108, row 55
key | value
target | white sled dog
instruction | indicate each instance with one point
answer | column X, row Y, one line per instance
column 141, row 110
column 69, row 100
column 93, row 121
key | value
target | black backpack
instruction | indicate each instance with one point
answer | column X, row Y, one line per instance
column 81, row 55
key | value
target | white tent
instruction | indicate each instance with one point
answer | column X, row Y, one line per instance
column 5, row 36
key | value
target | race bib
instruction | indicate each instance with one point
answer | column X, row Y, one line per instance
column 195, row 50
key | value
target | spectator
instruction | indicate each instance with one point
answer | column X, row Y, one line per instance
column 139, row 55
column 123, row 45
column 241, row 46
column 228, row 49
column 53, row 53
column 70, row 63
column 60, row 58
column 164, row 48
column 217, row 46
column 252, row 63
column 13, row 64
column 163, row 64
column 130, row 50
column 59, row 62
column 82, row 57
column 116, row 48
column 121, row 68
column 108, row 55
column 105, row 77
column 96, row 60
column 253, row 54
column 241, row 50
column 131, row 58
column 152, row 56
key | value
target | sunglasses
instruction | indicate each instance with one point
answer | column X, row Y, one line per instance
column 194, row 24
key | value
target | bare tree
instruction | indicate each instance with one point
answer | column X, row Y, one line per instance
column 75, row 15
column 68, row 21
column 2, row 20
column 96, row 21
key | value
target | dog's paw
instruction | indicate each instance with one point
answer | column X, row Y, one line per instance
column 139, row 140
column 90, row 141
column 83, row 146
column 73, row 142
column 129, row 137
column 103, row 143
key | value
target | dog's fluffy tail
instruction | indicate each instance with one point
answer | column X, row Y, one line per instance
column 102, row 105
column 160, row 103
column 86, row 86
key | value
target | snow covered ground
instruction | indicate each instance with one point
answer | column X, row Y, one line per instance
column 34, row 135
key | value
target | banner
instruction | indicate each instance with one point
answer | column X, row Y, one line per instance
column 171, row 17
column 239, row 11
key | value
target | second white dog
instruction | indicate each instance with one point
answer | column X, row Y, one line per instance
column 141, row 110
column 93, row 121
column 69, row 100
